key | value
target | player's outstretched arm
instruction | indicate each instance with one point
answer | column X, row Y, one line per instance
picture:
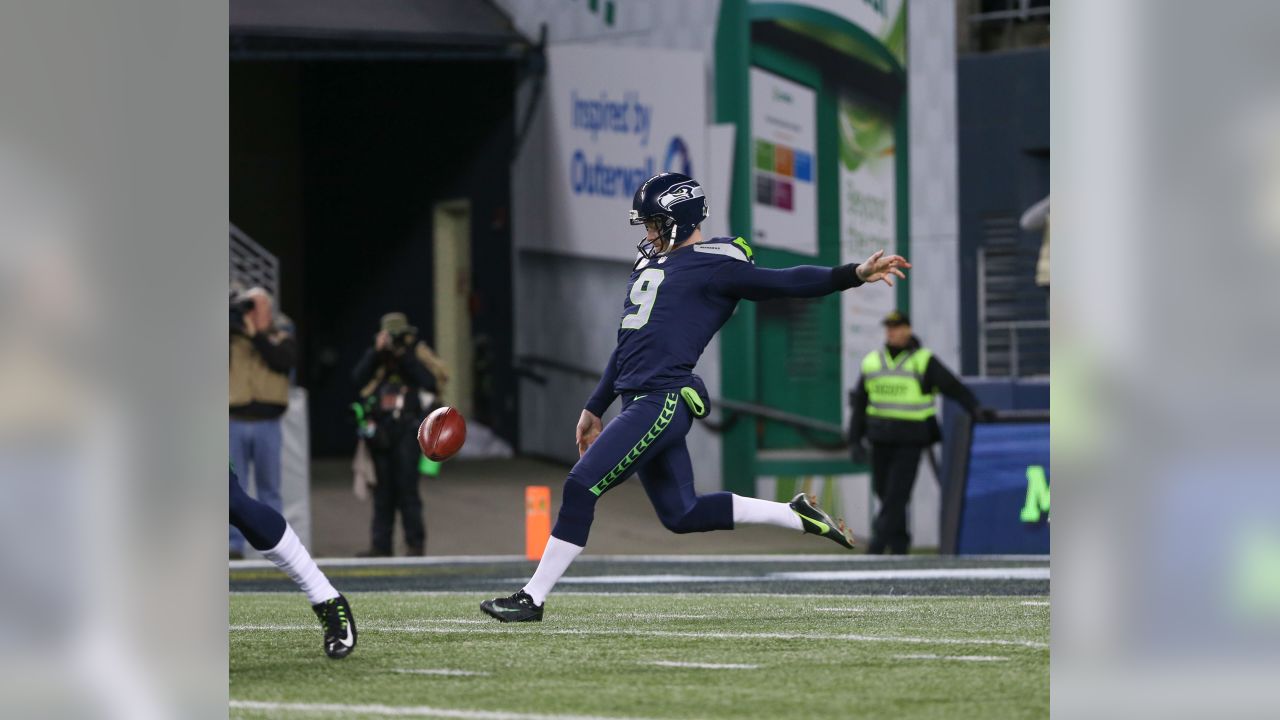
column 882, row 267
column 745, row 281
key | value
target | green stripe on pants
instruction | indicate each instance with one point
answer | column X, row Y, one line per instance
column 664, row 419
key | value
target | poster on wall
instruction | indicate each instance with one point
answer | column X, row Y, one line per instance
column 783, row 164
column 868, row 222
column 617, row 116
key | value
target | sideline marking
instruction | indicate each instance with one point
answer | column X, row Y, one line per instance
column 256, row 564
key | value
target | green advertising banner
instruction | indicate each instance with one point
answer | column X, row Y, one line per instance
column 868, row 223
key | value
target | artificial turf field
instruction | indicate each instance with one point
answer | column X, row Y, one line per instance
column 734, row 640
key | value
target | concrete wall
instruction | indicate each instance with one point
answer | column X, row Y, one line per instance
column 935, row 235
column 567, row 306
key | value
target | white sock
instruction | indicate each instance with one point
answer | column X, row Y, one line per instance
column 555, row 560
column 753, row 511
column 290, row 556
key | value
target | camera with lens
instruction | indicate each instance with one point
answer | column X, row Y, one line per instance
column 403, row 341
column 239, row 305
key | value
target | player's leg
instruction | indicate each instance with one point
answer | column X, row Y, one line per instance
column 609, row 461
column 239, row 444
column 667, row 478
column 269, row 533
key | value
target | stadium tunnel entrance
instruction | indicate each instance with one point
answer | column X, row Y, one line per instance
column 353, row 131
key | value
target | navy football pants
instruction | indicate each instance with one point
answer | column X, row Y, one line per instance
column 261, row 525
column 647, row 438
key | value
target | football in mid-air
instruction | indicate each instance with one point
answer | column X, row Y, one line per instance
column 441, row 435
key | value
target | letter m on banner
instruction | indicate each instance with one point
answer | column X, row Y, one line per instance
column 1037, row 495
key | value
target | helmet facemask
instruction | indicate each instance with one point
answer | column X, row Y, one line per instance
column 666, row 229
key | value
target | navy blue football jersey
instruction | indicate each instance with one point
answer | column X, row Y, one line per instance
column 676, row 302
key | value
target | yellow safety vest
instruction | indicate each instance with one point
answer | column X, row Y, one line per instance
column 893, row 385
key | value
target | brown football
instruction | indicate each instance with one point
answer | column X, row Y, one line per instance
column 441, row 435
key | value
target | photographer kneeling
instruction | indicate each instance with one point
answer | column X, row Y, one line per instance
column 392, row 373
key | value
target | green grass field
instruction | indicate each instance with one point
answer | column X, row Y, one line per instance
column 671, row 655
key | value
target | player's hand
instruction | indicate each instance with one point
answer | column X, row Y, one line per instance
column 882, row 267
column 382, row 341
column 250, row 328
column 589, row 428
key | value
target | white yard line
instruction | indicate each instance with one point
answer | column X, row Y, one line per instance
column 438, row 671
column 1035, row 603
column 660, row 616
column 860, row 609
column 963, row 658
column 702, row 666
column 405, row 711
column 494, row 629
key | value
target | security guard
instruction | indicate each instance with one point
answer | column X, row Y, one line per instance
column 893, row 407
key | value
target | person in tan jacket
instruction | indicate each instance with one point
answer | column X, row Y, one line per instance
column 261, row 356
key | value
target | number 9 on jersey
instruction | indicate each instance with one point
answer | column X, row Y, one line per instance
column 644, row 293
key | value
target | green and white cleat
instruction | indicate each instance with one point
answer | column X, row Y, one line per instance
column 818, row 522
column 517, row 608
column 339, row 627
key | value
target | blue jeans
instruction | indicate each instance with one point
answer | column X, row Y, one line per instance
column 257, row 442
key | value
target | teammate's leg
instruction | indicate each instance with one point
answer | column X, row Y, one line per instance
column 239, row 445
column 269, row 533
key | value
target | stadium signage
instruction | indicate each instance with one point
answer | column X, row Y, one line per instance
column 628, row 115
column 617, row 116
column 1037, row 504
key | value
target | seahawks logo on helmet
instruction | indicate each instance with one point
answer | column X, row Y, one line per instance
column 677, row 194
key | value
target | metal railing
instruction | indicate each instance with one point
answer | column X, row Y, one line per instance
column 1013, row 332
column 252, row 265
column 730, row 410
column 1020, row 343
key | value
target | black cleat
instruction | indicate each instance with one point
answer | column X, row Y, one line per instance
column 517, row 608
column 820, row 523
column 339, row 627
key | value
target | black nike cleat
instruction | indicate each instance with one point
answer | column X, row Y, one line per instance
column 517, row 608
column 818, row 522
column 339, row 627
